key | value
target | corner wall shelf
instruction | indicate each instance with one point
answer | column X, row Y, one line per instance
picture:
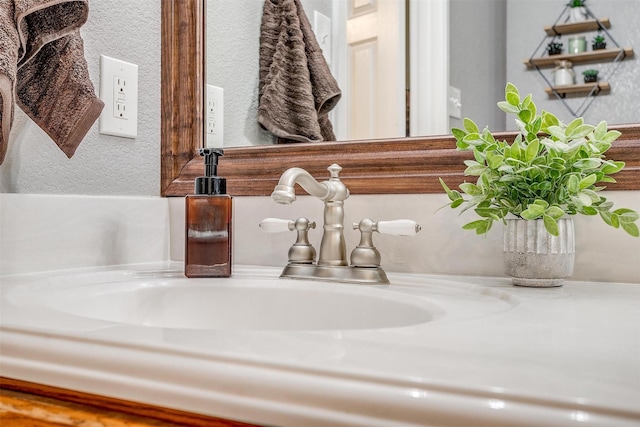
column 580, row 58
column 540, row 59
column 577, row 27
column 587, row 89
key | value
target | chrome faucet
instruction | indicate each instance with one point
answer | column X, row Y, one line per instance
column 333, row 193
column 332, row 262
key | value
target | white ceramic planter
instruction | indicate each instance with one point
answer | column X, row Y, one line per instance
column 533, row 257
column 578, row 14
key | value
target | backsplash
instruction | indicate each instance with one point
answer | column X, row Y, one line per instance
column 47, row 232
column 442, row 247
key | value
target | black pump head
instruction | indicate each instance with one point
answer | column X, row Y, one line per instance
column 210, row 183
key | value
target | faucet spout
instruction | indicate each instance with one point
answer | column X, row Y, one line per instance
column 284, row 192
column 333, row 193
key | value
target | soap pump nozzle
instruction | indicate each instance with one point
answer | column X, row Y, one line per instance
column 210, row 183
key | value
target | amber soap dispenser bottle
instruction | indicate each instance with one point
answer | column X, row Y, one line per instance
column 208, row 223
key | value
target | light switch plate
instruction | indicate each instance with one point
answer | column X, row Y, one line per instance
column 322, row 30
column 455, row 102
column 214, row 116
column 119, row 92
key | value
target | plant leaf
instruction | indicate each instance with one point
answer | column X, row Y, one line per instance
column 557, row 132
column 532, row 212
column 458, row 133
column 580, row 132
column 470, row 126
column 630, row 228
column 612, row 167
column 588, row 181
column 555, row 212
column 575, row 123
column 481, row 225
column 525, row 116
column 551, row 225
column 601, row 130
column 471, row 189
column 611, row 136
column 532, row 150
column 508, row 108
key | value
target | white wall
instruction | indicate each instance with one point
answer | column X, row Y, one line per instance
column 103, row 164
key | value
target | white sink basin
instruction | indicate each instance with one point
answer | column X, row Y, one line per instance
column 168, row 300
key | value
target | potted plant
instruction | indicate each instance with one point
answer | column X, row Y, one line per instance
column 535, row 184
column 599, row 42
column 577, row 11
column 554, row 48
column 590, row 76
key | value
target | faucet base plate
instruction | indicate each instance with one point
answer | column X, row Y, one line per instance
column 345, row 274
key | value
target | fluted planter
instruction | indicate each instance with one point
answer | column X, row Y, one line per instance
column 535, row 258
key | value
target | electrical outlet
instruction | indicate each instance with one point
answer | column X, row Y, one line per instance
column 119, row 92
column 214, row 116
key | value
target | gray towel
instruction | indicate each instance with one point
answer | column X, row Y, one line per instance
column 297, row 90
column 42, row 62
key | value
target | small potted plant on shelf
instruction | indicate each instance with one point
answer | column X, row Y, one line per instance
column 590, row 76
column 535, row 184
column 599, row 42
column 577, row 11
column 554, row 48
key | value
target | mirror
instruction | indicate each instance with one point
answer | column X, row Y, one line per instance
column 400, row 165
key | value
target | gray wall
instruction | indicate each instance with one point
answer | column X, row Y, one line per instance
column 525, row 23
column 477, row 63
column 103, row 164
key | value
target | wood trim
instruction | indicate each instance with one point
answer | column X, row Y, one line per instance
column 78, row 405
column 182, row 88
column 404, row 165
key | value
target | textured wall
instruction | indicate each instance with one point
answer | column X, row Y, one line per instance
column 525, row 24
column 103, row 164
column 477, row 45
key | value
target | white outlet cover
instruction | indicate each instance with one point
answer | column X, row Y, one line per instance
column 119, row 92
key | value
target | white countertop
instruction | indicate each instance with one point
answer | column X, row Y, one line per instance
column 496, row 355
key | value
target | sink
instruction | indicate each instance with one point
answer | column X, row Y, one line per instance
column 168, row 300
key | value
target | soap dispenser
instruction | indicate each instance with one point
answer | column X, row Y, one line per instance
column 208, row 223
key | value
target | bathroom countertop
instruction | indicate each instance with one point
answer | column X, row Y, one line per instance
column 557, row 356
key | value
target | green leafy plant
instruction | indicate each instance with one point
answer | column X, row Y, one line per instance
column 599, row 42
column 554, row 48
column 550, row 170
column 590, row 73
column 576, row 3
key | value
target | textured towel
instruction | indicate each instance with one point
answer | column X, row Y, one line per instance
column 297, row 90
column 42, row 62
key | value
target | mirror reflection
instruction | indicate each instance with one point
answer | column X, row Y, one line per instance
column 451, row 60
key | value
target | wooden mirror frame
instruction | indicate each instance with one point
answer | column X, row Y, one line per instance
column 400, row 165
